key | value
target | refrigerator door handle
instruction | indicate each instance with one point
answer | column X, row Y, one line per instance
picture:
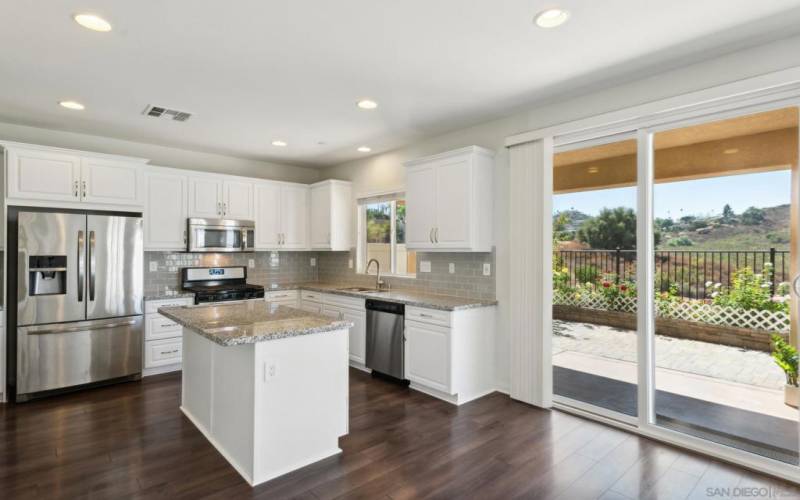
column 49, row 331
column 81, row 266
column 92, row 265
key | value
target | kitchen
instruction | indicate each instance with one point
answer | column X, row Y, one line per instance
column 229, row 274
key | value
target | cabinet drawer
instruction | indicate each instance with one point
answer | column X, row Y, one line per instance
column 343, row 301
column 162, row 352
column 160, row 327
column 282, row 296
column 311, row 296
column 151, row 306
column 430, row 316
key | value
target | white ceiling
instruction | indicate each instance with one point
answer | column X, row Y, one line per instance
column 253, row 71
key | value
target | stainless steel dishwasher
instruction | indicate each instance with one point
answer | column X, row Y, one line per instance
column 385, row 338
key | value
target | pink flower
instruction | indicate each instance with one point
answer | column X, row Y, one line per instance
column 606, row 284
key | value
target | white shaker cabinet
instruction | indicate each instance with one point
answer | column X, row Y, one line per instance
column 205, row 197
column 281, row 216
column 331, row 215
column 237, row 200
column 450, row 354
column 165, row 210
column 43, row 175
column 112, row 182
column 449, row 200
column 39, row 174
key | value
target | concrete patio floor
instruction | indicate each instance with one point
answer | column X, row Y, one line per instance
column 726, row 375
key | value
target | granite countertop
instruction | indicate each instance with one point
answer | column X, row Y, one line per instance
column 250, row 322
column 408, row 297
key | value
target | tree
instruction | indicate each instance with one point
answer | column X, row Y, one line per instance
column 753, row 216
column 612, row 228
column 727, row 213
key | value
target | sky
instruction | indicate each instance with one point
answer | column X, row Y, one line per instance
column 696, row 197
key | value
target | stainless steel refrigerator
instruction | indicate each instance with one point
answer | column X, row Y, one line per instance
column 79, row 300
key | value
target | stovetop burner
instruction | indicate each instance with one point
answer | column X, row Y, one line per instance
column 219, row 284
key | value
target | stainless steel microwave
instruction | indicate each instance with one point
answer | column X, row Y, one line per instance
column 221, row 235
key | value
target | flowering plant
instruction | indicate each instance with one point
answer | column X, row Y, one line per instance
column 750, row 290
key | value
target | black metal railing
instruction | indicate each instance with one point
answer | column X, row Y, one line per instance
column 689, row 270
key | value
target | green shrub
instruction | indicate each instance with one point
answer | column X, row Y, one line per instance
column 587, row 274
column 680, row 241
column 785, row 356
column 750, row 291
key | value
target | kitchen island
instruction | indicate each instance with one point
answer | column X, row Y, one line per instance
column 266, row 384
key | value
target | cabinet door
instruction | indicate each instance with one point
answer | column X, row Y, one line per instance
column 238, row 200
column 358, row 334
column 268, row 216
column 453, row 181
column 294, row 217
column 165, row 212
column 420, row 206
column 205, row 197
column 428, row 355
column 321, row 217
column 43, row 175
column 111, row 182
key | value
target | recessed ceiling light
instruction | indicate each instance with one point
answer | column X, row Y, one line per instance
column 731, row 151
column 73, row 105
column 551, row 18
column 367, row 104
column 280, row 144
column 92, row 22
column 593, row 170
column 364, row 149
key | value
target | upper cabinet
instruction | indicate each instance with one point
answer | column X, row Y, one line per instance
column 64, row 177
column 449, row 200
column 281, row 216
column 165, row 210
column 213, row 197
column 331, row 215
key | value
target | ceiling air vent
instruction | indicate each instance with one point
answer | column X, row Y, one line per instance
column 160, row 112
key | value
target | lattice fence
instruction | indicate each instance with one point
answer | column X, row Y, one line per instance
column 689, row 310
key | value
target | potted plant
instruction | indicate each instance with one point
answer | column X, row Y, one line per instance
column 785, row 356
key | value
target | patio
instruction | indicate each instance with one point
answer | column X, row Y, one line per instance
column 700, row 385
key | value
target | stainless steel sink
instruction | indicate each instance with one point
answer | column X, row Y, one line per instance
column 357, row 289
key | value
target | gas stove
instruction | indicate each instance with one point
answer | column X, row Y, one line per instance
column 219, row 284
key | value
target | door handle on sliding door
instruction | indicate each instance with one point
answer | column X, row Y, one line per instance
column 81, row 266
column 92, row 264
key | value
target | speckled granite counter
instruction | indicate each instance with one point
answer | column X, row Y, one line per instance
column 249, row 322
column 408, row 297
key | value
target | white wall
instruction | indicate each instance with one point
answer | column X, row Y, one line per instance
column 159, row 155
column 385, row 171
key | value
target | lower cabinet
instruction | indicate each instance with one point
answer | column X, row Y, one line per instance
column 345, row 309
column 163, row 341
column 450, row 354
column 428, row 355
column 289, row 298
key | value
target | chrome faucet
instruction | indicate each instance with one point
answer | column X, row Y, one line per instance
column 378, row 281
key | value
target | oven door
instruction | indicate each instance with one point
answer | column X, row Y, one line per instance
column 219, row 236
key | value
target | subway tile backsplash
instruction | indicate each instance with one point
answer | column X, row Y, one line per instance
column 467, row 280
column 280, row 268
column 270, row 268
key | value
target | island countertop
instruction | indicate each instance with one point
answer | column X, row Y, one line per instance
column 250, row 321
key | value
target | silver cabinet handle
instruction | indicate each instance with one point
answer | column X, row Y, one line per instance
column 84, row 189
column 224, row 208
column 436, row 235
column 92, row 265
column 430, row 235
column 423, row 315
column 81, row 266
column 219, row 208
column 168, row 325
column 184, row 236
column 76, row 189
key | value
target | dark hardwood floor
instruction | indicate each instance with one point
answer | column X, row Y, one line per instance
column 131, row 441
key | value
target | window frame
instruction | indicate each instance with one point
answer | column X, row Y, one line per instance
column 361, row 246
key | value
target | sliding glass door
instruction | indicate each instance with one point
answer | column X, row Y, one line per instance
column 674, row 249
column 594, row 275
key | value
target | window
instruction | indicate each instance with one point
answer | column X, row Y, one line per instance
column 382, row 236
